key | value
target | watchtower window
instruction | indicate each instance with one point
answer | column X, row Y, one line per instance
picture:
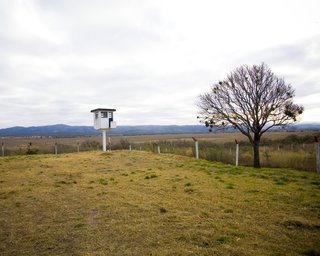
column 104, row 114
column 96, row 115
column 109, row 115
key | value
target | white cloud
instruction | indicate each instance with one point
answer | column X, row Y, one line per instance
column 148, row 59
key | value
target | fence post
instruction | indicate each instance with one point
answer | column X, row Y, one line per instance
column 196, row 146
column 78, row 146
column 158, row 149
column 55, row 148
column 237, row 153
column 130, row 147
column 318, row 157
column 317, row 153
column 2, row 148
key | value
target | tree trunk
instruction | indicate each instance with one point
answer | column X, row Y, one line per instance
column 256, row 155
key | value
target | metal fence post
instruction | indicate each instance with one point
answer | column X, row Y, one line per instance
column 237, row 153
column 196, row 147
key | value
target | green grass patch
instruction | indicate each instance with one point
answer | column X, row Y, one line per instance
column 223, row 239
column 230, row 186
column 228, row 211
column 281, row 181
column 151, row 176
column 103, row 181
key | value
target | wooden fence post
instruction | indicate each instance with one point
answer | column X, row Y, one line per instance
column 56, row 148
column 237, row 153
column 158, row 149
column 130, row 147
column 196, row 146
column 2, row 148
column 78, row 146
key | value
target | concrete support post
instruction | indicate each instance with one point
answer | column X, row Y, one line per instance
column 196, row 147
column 104, row 140
column 2, row 149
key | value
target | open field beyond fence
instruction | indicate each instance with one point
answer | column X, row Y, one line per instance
column 278, row 149
column 141, row 203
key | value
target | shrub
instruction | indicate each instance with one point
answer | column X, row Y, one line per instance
column 90, row 145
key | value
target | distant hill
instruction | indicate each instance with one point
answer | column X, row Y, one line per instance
column 67, row 130
column 62, row 130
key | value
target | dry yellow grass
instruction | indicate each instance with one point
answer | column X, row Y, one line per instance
column 139, row 203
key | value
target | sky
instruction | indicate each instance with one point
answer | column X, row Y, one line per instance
column 148, row 59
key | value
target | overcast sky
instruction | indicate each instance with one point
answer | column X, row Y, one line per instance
column 148, row 59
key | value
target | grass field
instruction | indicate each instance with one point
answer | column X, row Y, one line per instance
column 294, row 150
column 13, row 144
column 140, row 203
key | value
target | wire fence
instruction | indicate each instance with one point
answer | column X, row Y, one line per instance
column 293, row 153
column 302, row 157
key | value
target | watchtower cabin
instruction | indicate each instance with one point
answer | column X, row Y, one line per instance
column 103, row 118
column 103, row 121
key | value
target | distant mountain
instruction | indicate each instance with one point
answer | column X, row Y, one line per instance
column 62, row 130
column 49, row 130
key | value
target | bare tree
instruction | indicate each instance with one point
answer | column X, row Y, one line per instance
column 251, row 99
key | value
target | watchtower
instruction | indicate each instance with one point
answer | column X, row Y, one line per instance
column 103, row 121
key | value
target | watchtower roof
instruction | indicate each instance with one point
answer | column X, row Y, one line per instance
column 103, row 110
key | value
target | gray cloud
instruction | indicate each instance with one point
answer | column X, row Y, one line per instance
column 298, row 63
column 150, row 60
